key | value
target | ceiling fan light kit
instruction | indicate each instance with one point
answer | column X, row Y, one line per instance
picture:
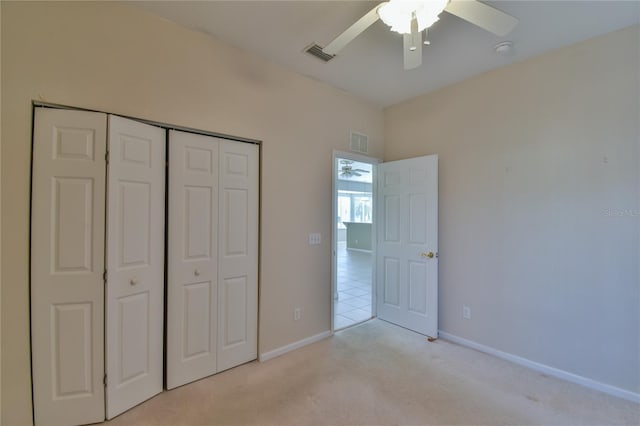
column 398, row 14
column 410, row 18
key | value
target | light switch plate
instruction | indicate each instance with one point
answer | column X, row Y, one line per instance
column 315, row 239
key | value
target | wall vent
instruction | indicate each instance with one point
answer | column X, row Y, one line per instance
column 316, row 50
column 359, row 142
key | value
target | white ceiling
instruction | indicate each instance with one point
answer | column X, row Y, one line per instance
column 371, row 66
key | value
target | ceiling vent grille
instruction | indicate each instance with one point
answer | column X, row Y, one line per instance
column 316, row 50
column 359, row 142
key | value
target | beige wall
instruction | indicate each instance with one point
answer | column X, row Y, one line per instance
column 539, row 209
column 0, row 209
column 115, row 58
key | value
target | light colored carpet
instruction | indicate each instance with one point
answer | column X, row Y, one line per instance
column 379, row 374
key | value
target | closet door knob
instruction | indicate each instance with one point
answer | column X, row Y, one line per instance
column 196, row 272
column 133, row 281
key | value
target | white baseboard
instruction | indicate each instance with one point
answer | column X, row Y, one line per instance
column 293, row 346
column 545, row 369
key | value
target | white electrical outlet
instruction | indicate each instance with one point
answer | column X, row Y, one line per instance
column 296, row 314
column 315, row 239
column 466, row 312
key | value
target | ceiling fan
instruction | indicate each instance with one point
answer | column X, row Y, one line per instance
column 412, row 18
column 347, row 169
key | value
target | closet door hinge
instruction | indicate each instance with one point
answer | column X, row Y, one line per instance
column 104, row 276
column 104, row 380
column 106, row 157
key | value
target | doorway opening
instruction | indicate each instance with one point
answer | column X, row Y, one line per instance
column 353, row 290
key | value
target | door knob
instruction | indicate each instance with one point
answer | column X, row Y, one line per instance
column 196, row 272
column 430, row 254
column 133, row 281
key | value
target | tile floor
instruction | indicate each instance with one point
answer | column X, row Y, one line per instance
column 353, row 303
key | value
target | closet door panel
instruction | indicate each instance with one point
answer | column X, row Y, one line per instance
column 67, row 265
column 192, row 285
column 238, row 242
column 135, row 263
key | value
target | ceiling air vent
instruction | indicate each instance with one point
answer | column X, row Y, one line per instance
column 359, row 142
column 316, row 50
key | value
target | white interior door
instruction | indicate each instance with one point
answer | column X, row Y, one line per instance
column 135, row 263
column 67, row 265
column 238, row 254
column 407, row 250
column 192, row 283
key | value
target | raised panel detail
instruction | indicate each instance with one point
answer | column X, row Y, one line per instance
column 236, row 215
column 133, row 327
column 236, row 164
column 418, row 288
column 391, row 281
column 72, row 225
column 73, row 144
column 197, row 320
column 392, row 179
column 72, row 356
column 417, row 219
column 197, row 226
column 417, row 176
column 197, row 160
column 392, row 218
column 135, row 151
column 135, row 220
column 235, row 309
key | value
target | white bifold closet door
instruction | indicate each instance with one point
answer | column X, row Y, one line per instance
column 212, row 294
column 67, row 266
column 135, row 263
column 238, row 255
column 192, row 270
column 71, row 310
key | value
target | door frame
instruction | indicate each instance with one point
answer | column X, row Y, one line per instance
column 334, row 225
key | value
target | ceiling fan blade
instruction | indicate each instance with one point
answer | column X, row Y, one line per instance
column 352, row 32
column 483, row 15
column 412, row 45
column 361, row 170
